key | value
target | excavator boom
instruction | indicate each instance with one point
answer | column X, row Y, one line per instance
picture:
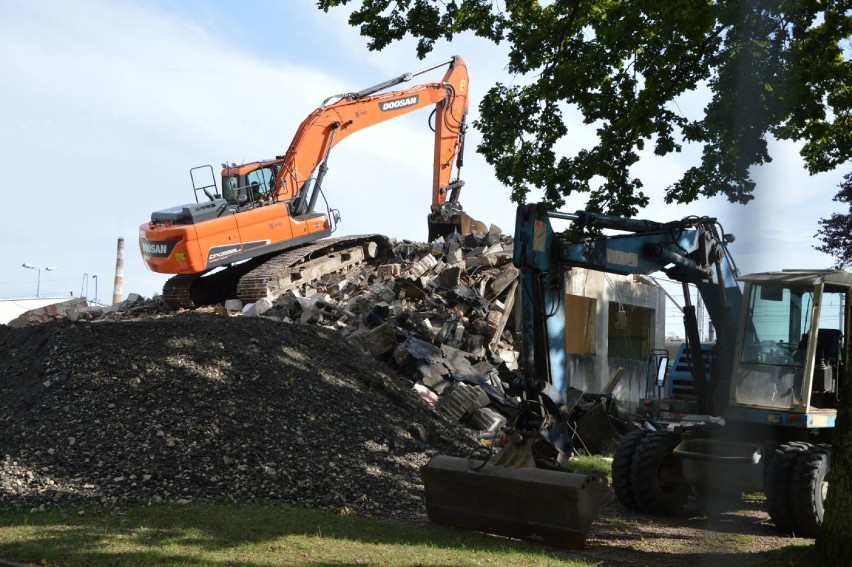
column 345, row 114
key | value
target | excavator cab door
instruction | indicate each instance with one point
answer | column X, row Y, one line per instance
column 230, row 190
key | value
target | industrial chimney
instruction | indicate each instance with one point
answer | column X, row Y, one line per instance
column 119, row 272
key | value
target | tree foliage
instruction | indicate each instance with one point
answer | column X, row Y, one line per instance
column 836, row 232
column 771, row 68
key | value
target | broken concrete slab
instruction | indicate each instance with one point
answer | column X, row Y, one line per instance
column 461, row 401
column 459, row 364
column 131, row 300
column 379, row 341
column 389, row 271
column 505, row 310
column 50, row 312
column 411, row 290
column 469, row 296
column 449, row 278
column 504, row 278
column 257, row 308
column 421, row 351
column 494, row 235
column 420, row 267
column 381, row 292
column 487, row 420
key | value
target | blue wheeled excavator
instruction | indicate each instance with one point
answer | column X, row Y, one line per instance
column 779, row 364
column 517, row 492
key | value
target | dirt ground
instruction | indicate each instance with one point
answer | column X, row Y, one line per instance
column 730, row 532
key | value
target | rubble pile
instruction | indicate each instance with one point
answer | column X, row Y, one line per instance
column 437, row 317
column 198, row 407
column 437, row 313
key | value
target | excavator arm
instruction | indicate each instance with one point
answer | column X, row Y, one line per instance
column 690, row 251
column 300, row 174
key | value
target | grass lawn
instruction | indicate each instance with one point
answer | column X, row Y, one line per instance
column 247, row 535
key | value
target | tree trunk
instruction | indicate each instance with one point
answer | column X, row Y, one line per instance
column 834, row 543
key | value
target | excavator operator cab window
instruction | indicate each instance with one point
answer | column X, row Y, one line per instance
column 249, row 189
column 782, row 365
column 771, row 369
column 230, row 189
column 259, row 183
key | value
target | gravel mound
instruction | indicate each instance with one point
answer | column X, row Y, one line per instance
column 200, row 407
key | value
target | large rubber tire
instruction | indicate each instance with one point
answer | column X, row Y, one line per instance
column 622, row 463
column 809, row 488
column 778, row 483
column 656, row 475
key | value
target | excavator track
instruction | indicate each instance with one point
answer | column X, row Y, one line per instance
column 270, row 276
column 303, row 265
column 177, row 291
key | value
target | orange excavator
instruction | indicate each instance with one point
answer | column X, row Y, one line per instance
column 264, row 230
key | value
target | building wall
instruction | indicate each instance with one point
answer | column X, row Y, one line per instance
column 589, row 366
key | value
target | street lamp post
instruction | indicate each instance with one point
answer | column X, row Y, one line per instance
column 95, row 278
column 38, row 277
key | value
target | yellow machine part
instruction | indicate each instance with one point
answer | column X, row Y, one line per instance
column 546, row 506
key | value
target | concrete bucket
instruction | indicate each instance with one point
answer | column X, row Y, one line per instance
column 546, row 506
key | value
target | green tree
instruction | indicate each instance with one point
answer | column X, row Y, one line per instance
column 836, row 546
column 772, row 68
column 835, row 232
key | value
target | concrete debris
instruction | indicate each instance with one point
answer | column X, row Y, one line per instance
column 233, row 306
column 71, row 309
column 599, row 421
column 440, row 314
column 462, row 401
column 389, row 270
column 422, row 266
column 487, row 420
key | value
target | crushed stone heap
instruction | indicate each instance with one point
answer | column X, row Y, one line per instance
column 195, row 407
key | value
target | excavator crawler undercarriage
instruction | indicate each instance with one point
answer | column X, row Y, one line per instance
column 272, row 275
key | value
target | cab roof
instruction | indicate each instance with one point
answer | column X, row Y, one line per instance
column 805, row 277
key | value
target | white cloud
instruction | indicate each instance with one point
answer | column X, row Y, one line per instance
column 110, row 105
column 107, row 105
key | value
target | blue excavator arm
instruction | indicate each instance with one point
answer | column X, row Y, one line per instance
column 691, row 251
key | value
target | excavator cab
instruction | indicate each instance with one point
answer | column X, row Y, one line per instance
column 792, row 353
column 248, row 184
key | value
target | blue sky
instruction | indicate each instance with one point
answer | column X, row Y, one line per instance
column 107, row 105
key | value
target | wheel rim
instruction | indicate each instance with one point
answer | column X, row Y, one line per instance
column 669, row 475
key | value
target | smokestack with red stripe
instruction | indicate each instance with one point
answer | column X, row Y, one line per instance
column 119, row 272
